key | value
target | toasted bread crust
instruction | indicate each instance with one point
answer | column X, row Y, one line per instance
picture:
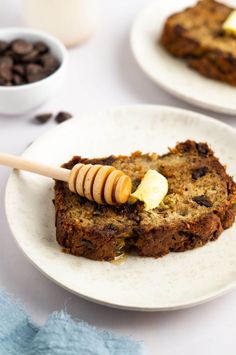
column 196, row 35
column 102, row 232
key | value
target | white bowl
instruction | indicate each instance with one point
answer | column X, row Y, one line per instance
column 23, row 98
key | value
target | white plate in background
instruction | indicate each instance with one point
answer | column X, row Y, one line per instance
column 175, row 281
column 171, row 73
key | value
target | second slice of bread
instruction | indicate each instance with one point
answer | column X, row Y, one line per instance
column 196, row 35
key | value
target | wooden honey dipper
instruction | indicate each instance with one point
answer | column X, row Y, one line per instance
column 99, row 183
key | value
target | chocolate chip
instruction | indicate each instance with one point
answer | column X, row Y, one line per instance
column 202, row 149
column 6, row 68
column 6, row 74
column 6, row 61
column 179, row 29
column 9, row 53
column 88, row 244
column 199, row 172
column 19, row 69
column 3, row 46
column 49, row 62
column 31, row 56
column 202, row 201
column 21, row 47
column 218, row 33
column 34, row 72
column 2, row 81
column 229, row 58
column 186, row 147
column 41, row 47
column 43, row 118
column 17, row 79
column 108, row 161
column 62, row 116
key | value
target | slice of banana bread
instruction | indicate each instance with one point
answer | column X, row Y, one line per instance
column 196, row 35
column 200, row 204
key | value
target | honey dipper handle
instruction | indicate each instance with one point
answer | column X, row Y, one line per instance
column 37, row 168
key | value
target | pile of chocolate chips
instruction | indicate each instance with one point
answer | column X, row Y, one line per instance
column 23, row 62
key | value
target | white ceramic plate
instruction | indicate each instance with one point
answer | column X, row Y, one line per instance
column 170, row 73
column 174, row 281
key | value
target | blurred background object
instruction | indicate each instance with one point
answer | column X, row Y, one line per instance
column 72, row 21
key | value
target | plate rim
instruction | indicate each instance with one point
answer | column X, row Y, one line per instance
column 167, row 88
column 194, row 302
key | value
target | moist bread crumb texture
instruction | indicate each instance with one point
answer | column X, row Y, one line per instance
column 196, row 35
column 200, row 204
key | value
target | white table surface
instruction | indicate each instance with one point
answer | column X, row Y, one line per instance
column 102, row 74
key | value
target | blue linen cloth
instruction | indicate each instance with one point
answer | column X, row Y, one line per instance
column 60, row 335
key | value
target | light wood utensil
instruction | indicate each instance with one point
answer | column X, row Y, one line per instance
column 99, row 183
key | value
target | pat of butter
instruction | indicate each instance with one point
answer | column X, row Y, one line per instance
column 230, row 23
column 151, row 190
